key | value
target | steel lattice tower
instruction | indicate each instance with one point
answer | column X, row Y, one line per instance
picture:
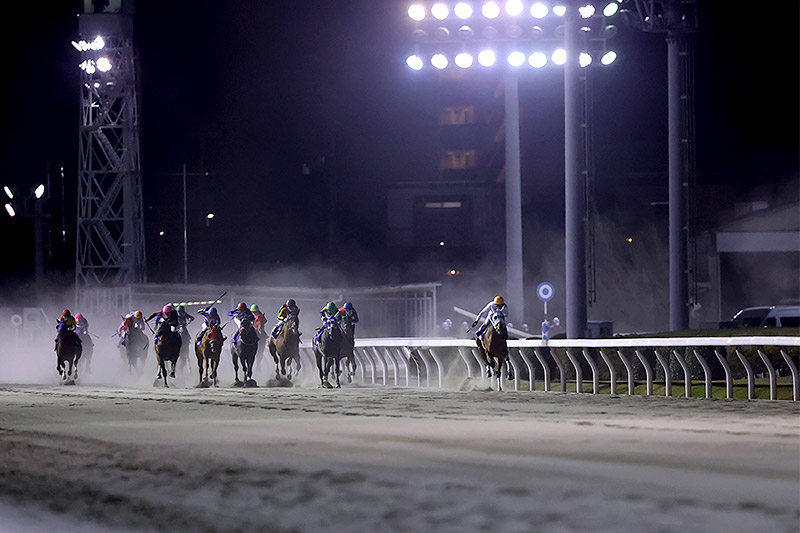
column 110, row 246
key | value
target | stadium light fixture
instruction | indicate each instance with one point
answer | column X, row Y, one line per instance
column 10, row 210
column 514, row 7
column 608, row 57
column 8, row 192
column 416, row 12
column 559, row 10
column 487, row 58
column 584, row 59
column 559, row 57
column 440, row 11
column 537, row 60
column 84, row 46
column 210, row 216
column 516, row 58
column 439, row 61
column 586, row 11
column 103, row 64
column 463, row 10
column 490, row 10
column 414, row 62
column 39, row 191
column 610, row 9
column 464, row 60
column 539, row 10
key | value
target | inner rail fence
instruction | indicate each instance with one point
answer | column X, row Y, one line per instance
column 616, row 366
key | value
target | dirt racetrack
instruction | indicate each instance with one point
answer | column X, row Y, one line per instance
column 93, row 458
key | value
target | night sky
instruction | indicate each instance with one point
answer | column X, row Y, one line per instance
column 250, row 91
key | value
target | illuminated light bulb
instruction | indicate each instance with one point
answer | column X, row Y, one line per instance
column 414, row 62
column 516, row 58
column 487, row 58
column 537, row 60
column 490, row 10
column 416, row 12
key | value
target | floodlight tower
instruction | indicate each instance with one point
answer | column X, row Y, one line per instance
column 110, row 236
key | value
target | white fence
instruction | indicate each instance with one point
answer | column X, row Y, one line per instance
column 416, row 362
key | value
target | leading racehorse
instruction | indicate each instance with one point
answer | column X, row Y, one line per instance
column 68, row 350
column 208, row 351
column 493, row 346
column 328, row 350
column 168, row 348
column 286, row 348
column 243, row 350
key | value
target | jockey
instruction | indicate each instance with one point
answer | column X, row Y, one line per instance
column 184, row 318
column 69, row 323
column 329, row 311
column 240, row 313
column 211, row 318
column 81, row 324
column 167, row 314
column 289, row 309
column 261, row 320
column 495, row 306
column 137, row 320
column 349, row 316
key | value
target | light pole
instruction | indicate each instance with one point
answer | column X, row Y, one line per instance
column 22, row 205
column 511, row 36
column 183, row 175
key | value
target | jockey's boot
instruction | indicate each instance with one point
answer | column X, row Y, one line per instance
column 275, row 331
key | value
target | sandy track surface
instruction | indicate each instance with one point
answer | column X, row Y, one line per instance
column 383, row 459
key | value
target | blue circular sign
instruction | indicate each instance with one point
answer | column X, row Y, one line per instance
column 545, row 291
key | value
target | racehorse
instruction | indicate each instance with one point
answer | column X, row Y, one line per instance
column 168, row 348
column 88, row 351
column 328, row 350
column 286, row 348
column 208, row 351
column 243, row 350
column 186, row 341
column 133, row 347
column 68, row 350
column 493, row 346
column 348, row 350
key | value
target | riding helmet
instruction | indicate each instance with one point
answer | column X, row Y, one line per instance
column 348, row 306
column 291, row 304
column 331, row 308
column 78, row 316
column 166, row 309
column 254, row 308
column 242, row 306
column 212, row 310
column 65, row 313
column 498, row 300
column 180, row 309
column 138, row 314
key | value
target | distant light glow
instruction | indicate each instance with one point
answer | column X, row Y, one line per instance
column 39, row 191
column 103, row 64
column 537, row 60
column 210, row 216
column 88, row 66
column 584, row 59
column 8, row 192
column 440, row 11
column 453, row 272
column 539, row 10
column 490, row 10
column 559, row 10
column 559, row 57
column 464, row 60
column 10, row 210
column 414, row 62
column 416, row 12
column 610, row 9
column 466, row 32
column 629, row 239
column 516, row 58
column 586, row 11
column 487, row 58
column 463, row 10
column 161, row 233
column 441, row 243
column 439, row 61
column 514, row 7
column 608, row 57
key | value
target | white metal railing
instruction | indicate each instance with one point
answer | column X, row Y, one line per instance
column 416, row 361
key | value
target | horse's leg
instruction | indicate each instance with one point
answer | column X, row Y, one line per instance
column 338, row 373
column 321, row 366
column 172, row 373
column 163, row 370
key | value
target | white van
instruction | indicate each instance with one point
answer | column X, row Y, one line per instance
column 773, row 316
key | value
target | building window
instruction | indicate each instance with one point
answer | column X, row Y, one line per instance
column 459, row 159
column 457, row 115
